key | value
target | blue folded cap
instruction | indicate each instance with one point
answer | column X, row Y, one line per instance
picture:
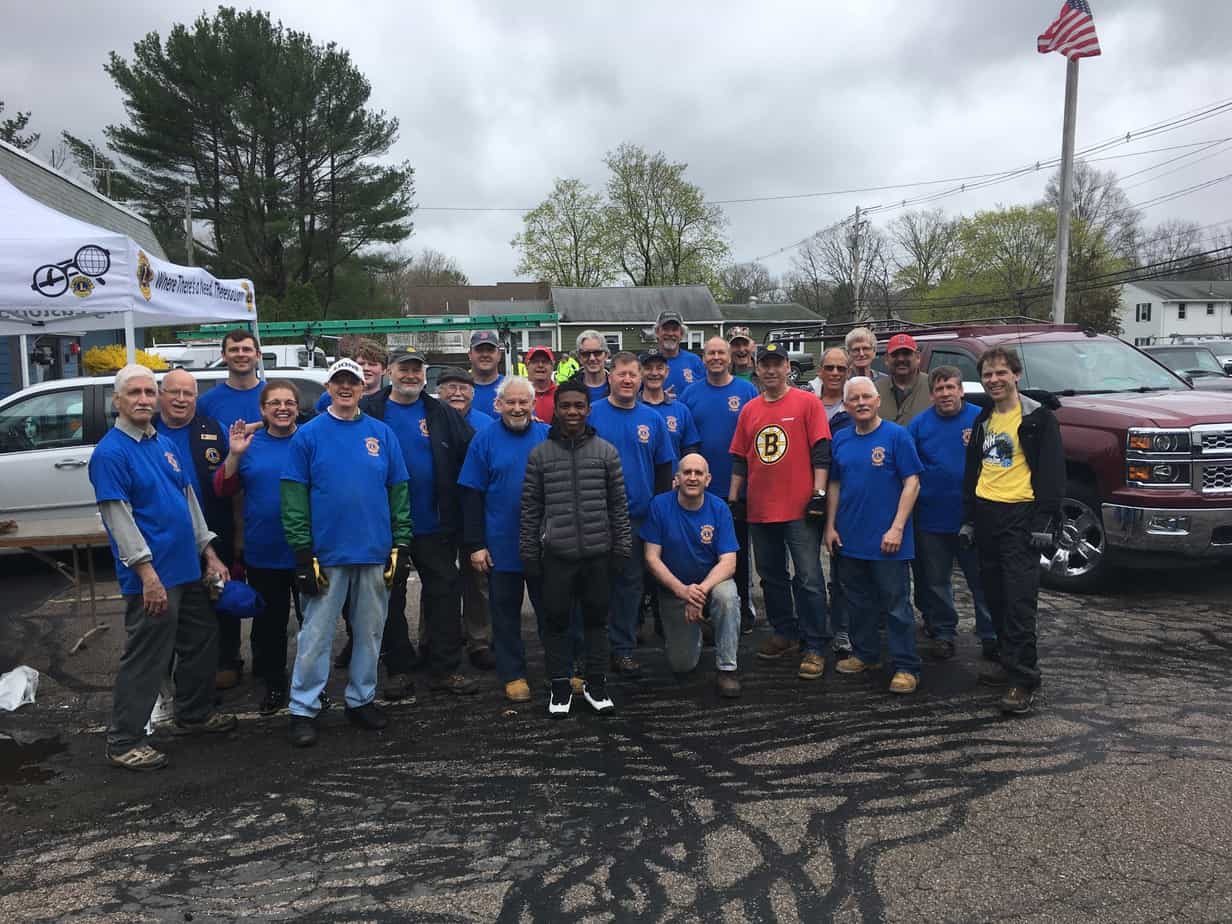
column 239, row 601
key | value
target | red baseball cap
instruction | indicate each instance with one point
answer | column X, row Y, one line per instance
column 902, row 342
column 537, row 350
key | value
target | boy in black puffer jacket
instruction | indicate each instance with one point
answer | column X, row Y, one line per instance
column 574, row 531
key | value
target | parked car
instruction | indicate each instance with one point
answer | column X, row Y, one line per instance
column 1148, row 459
column 48, row 432
column 1195, row 362
column 802, row 363
column 1220, row 346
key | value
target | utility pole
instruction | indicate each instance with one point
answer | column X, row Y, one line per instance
column 855, row 267
column 1065, row 206
column 188, row 232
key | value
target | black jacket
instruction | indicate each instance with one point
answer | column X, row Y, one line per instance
column 208, row 442
column 448, row 434
column 1040, row 436
column 573, row 500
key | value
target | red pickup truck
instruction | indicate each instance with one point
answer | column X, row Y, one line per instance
column 1148, row 459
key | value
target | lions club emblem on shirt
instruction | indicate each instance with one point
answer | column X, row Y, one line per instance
column 688, row 375
column 733, row 403
column 671, row 423
column 172, row 461
column 770, row 444
column 707, row 534
column 878, row 456
column 373, row 445
column 213, row 456
column 966, row 435
column 643, row 433
column 423, row 428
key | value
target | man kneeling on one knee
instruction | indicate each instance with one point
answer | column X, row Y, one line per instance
column 691, row 547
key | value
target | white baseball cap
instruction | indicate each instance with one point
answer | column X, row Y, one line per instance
column 345, row 365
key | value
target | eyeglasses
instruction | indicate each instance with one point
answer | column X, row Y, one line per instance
column 591, row 354
column 831, row 368
column 289, row 402
column 180, row 392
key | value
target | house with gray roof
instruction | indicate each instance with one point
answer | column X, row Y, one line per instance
column 1156, row 311
column 57, row 356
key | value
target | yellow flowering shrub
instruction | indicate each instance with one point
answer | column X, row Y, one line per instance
column 99, row 360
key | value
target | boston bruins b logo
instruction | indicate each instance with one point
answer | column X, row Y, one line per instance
column 771, row 443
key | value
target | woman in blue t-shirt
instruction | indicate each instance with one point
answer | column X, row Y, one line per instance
column 254, row 466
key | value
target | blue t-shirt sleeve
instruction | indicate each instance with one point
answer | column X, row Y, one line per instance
column 725, row 531
column 396, row 473
column 664, row 450
column 906, row 457
column 297, row 467
column 111, row 477
column 652, row 526
column 474, row 472
column 691, row 435
column 836, row 462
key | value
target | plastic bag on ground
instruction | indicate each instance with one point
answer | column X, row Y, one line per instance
column 18, row 687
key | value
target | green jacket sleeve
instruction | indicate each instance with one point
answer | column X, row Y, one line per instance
column 400, row 512
column 296, row 516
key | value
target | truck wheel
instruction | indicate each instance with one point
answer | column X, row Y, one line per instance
column 1079, row 562
column 794, row 374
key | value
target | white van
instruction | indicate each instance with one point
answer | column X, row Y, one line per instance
column 197, row 354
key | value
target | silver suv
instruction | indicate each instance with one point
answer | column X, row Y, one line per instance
column 48, row 432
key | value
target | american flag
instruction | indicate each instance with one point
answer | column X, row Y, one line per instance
column 1072, row 33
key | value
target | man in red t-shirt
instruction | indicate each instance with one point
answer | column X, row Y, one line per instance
column 781, row 449
column 539, row 362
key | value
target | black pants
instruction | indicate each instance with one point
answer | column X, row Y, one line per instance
column 743, row 586
column 436, row 560
column 269, row 630
column 566, row 583
column 1009, row 569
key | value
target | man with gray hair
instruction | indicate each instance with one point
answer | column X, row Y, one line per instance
column 683, row 368
column 861, row 346
column 592, row 353
column 160, row 541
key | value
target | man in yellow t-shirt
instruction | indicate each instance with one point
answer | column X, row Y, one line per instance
column 1015, row 473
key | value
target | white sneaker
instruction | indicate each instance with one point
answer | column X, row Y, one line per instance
column 595, row 692
column 561, row 699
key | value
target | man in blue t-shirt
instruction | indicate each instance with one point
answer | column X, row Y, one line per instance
column 238, row 397
column 676, row 414
column 874, row 482
column 492, row 477
column 345, row 513
column 691, row 548
column 433, row 437
column 941, row 435
column 646, row 457
column 485, row 357
column 160, row 541
column 683, row 368
column 715, row 403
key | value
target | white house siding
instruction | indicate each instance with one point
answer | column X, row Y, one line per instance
column 1165, row 316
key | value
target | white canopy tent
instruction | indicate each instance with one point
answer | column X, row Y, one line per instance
column 62, row 275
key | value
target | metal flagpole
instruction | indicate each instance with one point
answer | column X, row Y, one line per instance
column 1066, row 204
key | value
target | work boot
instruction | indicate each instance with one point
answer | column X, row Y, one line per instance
column 302, row 731
column 458, row 684
column 775, row 647
column 369, row 716
column 812, row 666
column 728, row 684
column 1017, row 701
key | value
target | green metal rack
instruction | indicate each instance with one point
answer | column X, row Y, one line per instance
column 380, row 325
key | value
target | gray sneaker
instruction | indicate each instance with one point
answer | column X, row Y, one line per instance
column 842, row 643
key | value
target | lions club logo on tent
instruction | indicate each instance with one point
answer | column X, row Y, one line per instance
column 248, row 301
column 145, row 274
column 81, row 286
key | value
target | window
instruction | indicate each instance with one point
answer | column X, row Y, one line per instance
column 615, row 340
column 697, row 340
column 1180, row 311
column 1142, row 311
column 1210, row 309
column 963, row 362
column 535, row 336
column 48, row 420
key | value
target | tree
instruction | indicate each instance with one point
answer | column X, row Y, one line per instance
column 664, row 232
column 11, row 130
column 432, row 268
column 272, row 133
column 832, row 260
column 1101, row 205
column 929, row 242
column 1175, row 243
column 743, row 282
column 566, row 240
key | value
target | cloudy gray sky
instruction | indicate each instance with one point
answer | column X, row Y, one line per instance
column 760, row 99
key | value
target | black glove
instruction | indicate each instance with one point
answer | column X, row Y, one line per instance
column 815, row 512
column 309, row 578
column 966, row 537
column 739, row 510
column 532, row 568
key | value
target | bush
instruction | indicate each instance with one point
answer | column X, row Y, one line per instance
column 100, row 360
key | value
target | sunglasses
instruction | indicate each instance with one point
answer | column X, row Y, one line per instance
column 591, row 354
column 832, row 368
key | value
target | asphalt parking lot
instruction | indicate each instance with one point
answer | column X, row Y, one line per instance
column 801, row 801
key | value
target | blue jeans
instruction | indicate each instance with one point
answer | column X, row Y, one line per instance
column 683, row 640
column 840, row 620
column 874, row 587
column 505, row 605
column 796, row 607
column 625, row 600
column 363, row 588
column 935, row 554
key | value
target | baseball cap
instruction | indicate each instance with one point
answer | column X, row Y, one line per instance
column 539, row 351
column 455, row 374
column 402, row 354
column 345, row 365
column 651, row 356
column 739, row 332
column 902, row 342
column 239, row 600
column 667, row 315
column 771, row 351
column 480, row 337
